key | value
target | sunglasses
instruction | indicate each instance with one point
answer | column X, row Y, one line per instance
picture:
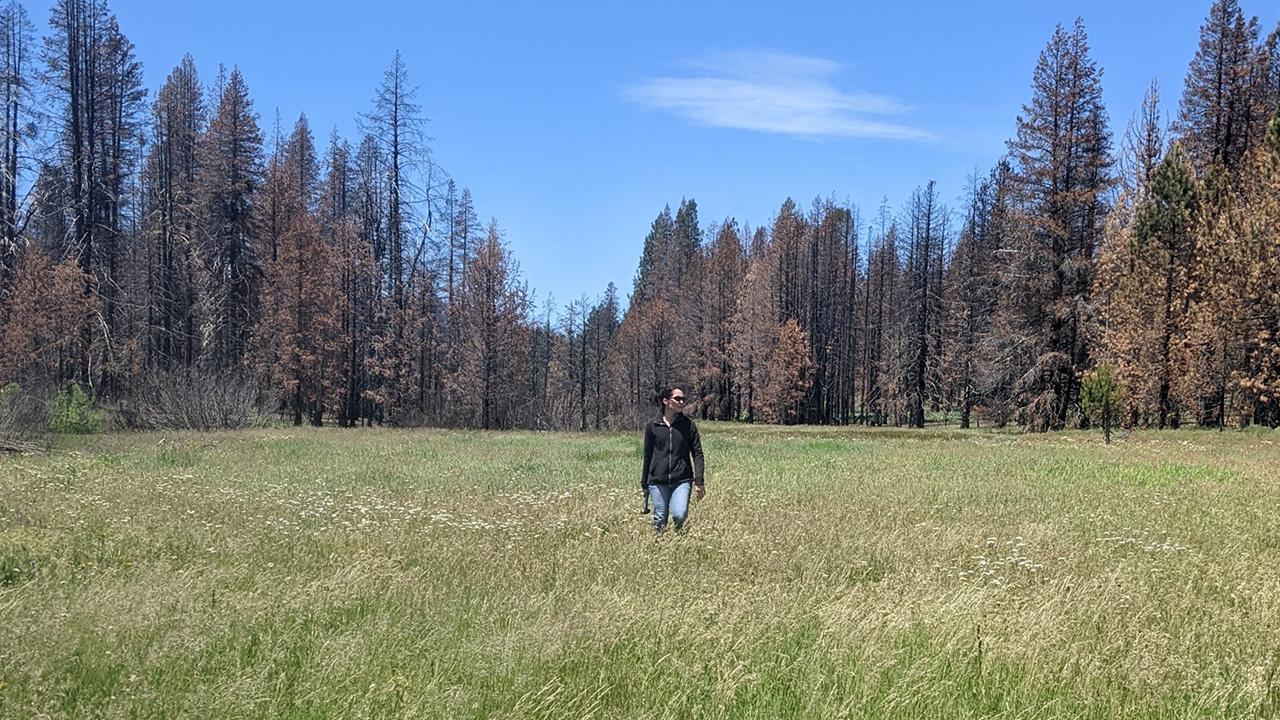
column 676, row 398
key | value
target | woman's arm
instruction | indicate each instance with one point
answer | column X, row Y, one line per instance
column 648, row 455
column 695, row 444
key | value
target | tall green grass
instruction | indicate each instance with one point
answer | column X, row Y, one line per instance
column 829, row 573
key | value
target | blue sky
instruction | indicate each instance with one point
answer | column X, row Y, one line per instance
column 573, row 123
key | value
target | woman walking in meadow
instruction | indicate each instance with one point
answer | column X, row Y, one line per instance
column 672, row 461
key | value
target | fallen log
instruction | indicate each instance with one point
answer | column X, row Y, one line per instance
column 17, row 446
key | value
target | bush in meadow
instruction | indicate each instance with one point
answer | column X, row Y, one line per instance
column 72, row 413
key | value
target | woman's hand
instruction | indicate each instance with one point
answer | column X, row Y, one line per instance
column 698, row 492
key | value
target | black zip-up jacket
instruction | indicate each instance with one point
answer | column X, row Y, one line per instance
column 667, row 452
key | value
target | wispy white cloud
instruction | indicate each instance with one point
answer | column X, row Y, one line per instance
column 776, row 93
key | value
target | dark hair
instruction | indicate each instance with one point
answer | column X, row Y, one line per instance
column 665, row 394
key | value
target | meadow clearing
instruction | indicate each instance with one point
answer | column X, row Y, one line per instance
column 320, row 573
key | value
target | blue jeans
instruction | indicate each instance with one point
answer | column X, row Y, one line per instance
column 669, row 501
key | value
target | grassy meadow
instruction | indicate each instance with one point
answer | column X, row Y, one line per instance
column 304, row 573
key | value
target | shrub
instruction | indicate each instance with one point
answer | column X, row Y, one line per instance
column 73, row 414
column 191, row 400
column 23, row 419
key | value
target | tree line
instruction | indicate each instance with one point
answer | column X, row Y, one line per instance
column 165, row 240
